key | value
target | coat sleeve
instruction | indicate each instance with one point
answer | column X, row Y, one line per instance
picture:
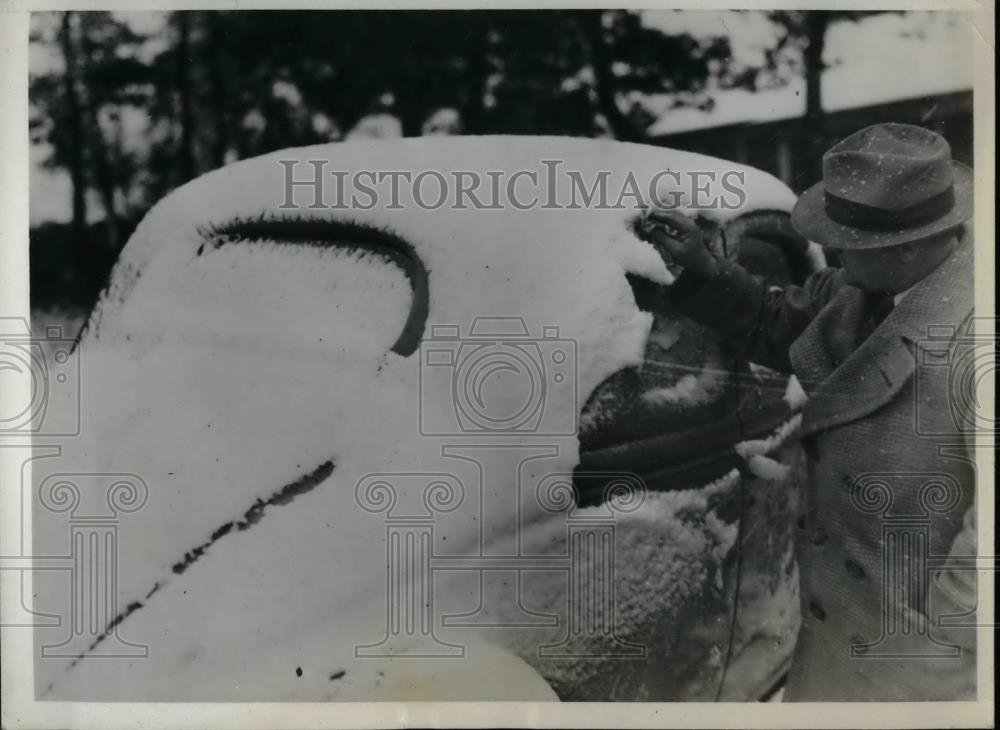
column 745, row 309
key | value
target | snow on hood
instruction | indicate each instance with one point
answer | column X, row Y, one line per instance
column 253, row 387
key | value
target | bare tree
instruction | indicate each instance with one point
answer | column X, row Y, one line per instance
column 73, row 120
column 807, row 29
column 182, row 24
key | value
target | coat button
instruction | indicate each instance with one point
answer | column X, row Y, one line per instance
column 859, row 647
column 854, row 569
column 817, row 610
column 819, row 536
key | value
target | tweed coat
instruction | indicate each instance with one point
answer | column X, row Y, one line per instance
column 890, row 488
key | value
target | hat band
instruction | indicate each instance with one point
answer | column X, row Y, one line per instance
column 859, row 215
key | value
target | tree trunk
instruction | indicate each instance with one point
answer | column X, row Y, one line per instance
column 592, row 37
column 472, row 109
column 184, row 91
column 97, row 145
column 73, row 121
column 105, row 180
column 220, row 112
column 814, row 132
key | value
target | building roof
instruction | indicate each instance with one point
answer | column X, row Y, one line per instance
column 878, row 60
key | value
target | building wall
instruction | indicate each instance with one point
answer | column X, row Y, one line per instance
column 782, row 147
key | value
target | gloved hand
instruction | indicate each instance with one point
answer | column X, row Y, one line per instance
column 679, row 237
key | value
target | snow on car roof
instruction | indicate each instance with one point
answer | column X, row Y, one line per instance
column 251, row 379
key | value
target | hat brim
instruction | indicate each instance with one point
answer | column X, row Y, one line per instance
column 810, row 219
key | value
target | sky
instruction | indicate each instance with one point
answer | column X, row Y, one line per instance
column 881, row 58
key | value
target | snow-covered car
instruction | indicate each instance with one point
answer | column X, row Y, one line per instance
column 414, row 451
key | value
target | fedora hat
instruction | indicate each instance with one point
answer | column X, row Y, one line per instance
column 885, row 185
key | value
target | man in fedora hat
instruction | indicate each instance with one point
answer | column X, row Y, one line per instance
column 880, row 620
